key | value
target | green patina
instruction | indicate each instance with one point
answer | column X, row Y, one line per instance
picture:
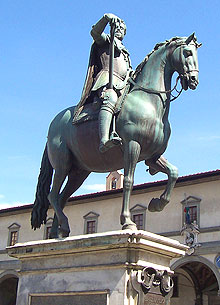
column 142, row 132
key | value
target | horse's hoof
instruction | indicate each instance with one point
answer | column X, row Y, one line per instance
column 153, row 171
column 127, row 223
column 129, row 226
column 157, row 204
column 63, row 233
column 53, row 235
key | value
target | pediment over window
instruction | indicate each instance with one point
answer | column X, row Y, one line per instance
column 138, row 207
column 91, row 215
column 14, row 226
column 138, row 216
column 191, row 200
column 91, row 222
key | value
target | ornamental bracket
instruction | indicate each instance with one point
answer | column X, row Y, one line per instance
column 143, row 281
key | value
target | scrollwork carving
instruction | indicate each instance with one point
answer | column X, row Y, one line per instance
column 143, row 280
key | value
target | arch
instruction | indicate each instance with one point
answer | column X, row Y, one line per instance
column 8, row 274
column 189, row 259
column 8, row 287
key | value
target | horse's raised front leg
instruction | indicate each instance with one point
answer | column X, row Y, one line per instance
column 131, row 155
column 162, row 165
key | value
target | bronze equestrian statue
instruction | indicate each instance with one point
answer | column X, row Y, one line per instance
column 140, row 121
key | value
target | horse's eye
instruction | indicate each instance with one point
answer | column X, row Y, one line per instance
column 187, row 53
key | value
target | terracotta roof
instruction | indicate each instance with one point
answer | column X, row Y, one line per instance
column 147, row 185
column 189, row 178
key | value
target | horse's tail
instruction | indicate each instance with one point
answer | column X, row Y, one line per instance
column 41, row 203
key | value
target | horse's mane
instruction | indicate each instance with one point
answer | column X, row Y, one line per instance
column 156, row 47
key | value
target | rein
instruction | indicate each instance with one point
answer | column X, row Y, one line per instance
column 156, row 91
column 147, row 90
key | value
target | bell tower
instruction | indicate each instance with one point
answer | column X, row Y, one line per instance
column 114, row 180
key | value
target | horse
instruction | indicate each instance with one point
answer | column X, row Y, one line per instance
column 72, row 151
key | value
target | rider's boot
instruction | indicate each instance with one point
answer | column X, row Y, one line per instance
column 105, row 118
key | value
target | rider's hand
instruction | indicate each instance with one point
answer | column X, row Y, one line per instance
column 112, row 19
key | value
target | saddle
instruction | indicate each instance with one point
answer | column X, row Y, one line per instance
column 87, row 112
column 90, row 111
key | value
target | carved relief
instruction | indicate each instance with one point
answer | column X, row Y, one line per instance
column 191, row 232
column 152, row 286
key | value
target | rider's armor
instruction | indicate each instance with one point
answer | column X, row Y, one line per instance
column 121, row 66
column 97, row 80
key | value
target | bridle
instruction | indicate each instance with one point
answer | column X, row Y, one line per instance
column 152, row 91
column 185, row 73
column 147, row 90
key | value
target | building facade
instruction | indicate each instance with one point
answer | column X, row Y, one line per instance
column 192, row 217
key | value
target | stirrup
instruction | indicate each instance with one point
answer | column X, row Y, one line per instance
column 113, row 141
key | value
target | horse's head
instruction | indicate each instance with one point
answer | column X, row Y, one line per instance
column 185, row 62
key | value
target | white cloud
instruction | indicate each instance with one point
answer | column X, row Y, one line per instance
column 209, row 138
column 6, row 205
column 95, row 187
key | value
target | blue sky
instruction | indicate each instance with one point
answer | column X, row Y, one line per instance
column 44, row 49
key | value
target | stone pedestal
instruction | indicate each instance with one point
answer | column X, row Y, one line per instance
column 112, row 268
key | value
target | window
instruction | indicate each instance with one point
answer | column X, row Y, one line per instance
column 47, row 228
column 13, row 238
column 138, row 220
column 138, row 216
column 13, row 234
column 190, row 214
column 91, row 223
column 91, row 227
column 191, row 210
column 114, row 183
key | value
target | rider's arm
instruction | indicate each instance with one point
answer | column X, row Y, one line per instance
column 97, row 31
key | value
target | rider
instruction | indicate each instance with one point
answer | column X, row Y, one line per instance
column 100, row 74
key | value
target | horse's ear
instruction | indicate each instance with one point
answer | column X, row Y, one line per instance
column 190, row 38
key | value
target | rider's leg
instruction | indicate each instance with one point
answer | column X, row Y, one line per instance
column 105, row 119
